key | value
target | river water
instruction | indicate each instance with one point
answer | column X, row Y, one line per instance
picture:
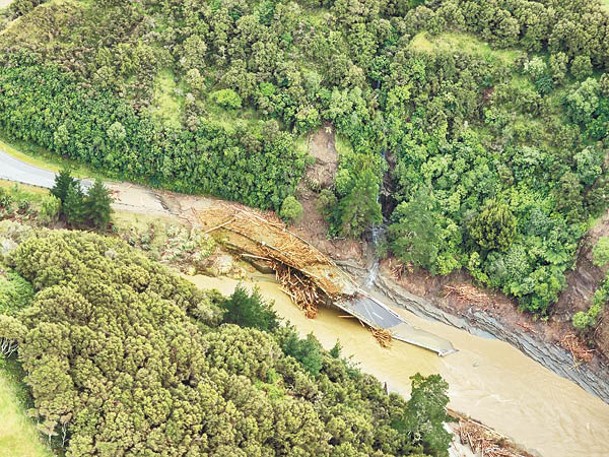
column 489, row 380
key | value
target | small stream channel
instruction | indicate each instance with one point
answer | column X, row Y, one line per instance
column 489, row 379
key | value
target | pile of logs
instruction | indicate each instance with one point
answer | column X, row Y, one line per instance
column 300, row 288
column 383, row 336
column 259, row 235
column 485, row 441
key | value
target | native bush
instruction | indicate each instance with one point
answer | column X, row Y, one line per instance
column 110, row 333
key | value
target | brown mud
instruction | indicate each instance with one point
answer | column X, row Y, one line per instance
column 453, row 299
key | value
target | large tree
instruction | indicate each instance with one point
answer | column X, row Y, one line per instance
column 64, row 181
column 98, row 206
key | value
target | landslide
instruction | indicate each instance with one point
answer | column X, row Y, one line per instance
column 494, row 116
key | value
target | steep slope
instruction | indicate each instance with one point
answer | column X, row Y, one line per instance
column 489, row 118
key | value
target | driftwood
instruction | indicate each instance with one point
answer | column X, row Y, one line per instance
column 483, row 440
column 310, row 278
column 218, row 227
column 301, row 289
column 259, row 236
column 383, row 336
column 577, row 349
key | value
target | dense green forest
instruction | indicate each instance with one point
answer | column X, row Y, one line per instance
column 123, row 358
column 486, row 120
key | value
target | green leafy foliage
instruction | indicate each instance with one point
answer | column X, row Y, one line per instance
column 426, row 414
column 307, row 350
column 494, row 227
column 64, row 181
column 15, row 292
column 587, row 320
column 470, row 101
column 50, row 207
column 79, row 209
column 227, row 98
column 111, row 334
column 600, row 252
column 291, row 209
column 97, row 206
column 249, row 310
column 415, row 235
column 6, row 203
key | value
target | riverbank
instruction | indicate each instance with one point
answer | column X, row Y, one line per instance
column 489, row 380
column 482, row 315
column 526, row 411
column 481, row 310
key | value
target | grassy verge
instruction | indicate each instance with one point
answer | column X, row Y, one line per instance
column 32, row 193
column 18, row 434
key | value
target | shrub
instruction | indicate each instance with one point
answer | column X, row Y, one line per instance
column 6, row 203
column 49, row 209
column 249, row 310
column 15, row 292
column 600, row 252
column 581, row 67
column 291, row 209
column 227, row 98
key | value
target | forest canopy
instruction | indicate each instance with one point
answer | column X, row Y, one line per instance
column 487, row 119
column 124, row 358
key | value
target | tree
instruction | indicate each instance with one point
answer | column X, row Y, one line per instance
column 426, row 414
column 291, row 209
column 415, row 234
column 307, row 351
column 116, row 133
column 581, row 67
column 359, row 210
column 61, row 137
column 121, row 328
column 494, row 227
column 249, row 310
column 226, row 98
column 558, row 67
column 97, row 206
column 73, row 208
column 64, row 181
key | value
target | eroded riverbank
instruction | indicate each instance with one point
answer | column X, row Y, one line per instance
column 478, row 322
column 489, row 379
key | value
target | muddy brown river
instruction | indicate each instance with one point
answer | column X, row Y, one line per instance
column 489, row 380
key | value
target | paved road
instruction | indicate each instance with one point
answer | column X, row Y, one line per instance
column 372, row 311
column 378, row 315
column 15, row 170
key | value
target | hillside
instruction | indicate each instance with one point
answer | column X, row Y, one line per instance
column 123, row 358
column 482, row 125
